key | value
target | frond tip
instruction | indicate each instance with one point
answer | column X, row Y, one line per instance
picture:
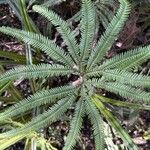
column 87, row 28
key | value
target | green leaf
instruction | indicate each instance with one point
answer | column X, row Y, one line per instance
column 115, row 124
column 75, row 126
column 41, row 42
column 35, row 71
column 53, row 114
column 110, row 34
column 125, row 77
column 63, row 28
column 129, row 59
column 4, row 86
column 26, row 20
column 14, row 56
column 11, row 62
column 97, row 124
column 39, row 98
column 137, row 95
column 87, row 29
column 5, row 143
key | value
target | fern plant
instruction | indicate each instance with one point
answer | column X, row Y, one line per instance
column 94, row 72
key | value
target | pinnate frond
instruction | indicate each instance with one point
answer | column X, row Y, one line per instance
column 121, row 76
column 125, row 77
column 97, row 124
column 110, row 34
column 41, row 42
column 129, row 59
column 125, row 91
column 42, row 120
column 105, row 15
column 38, row 99
column 87, row 28
column 63, row 28
column 75, row 126
column 35, row 71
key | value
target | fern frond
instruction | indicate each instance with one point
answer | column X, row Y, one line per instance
column 42, row 120
column 63, row 28
column 35, row 71
column 75, row 126
column 103, row 18
column 41, row 42
column 125, row 91
column 124, row 77
column 110, row 34
column 38, row 99
column 129, row 59
column 127, row 77
column 87, row 29
column 103, row 14
column 115, row 124
column 97, row 124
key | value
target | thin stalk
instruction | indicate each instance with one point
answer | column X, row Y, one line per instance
column 26, row 21
column 14, row 57
column 30, row 62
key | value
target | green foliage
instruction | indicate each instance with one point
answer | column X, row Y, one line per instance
column 103, row 13
column 109, row 37
column 115, row 124
column 83, row 60
column 97, row 124
column 35, row 71
column 129, row 59
column 76, row 125
column 51, row 115
column 38, row 99
column 29, row 136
